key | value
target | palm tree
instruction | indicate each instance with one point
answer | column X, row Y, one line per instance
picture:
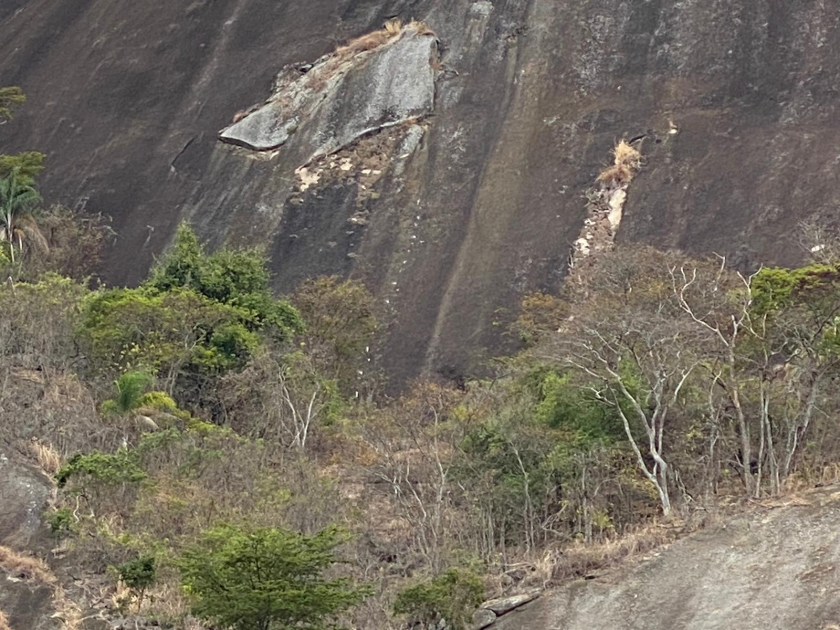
column 19, row 205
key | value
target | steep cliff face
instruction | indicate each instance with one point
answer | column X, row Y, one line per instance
column 453, row 216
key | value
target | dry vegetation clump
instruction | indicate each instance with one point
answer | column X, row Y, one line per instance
column 580, row 560
column 393, row 29
column 627, row 154
column 48, row 458
column 627, row 161
column 25, row 567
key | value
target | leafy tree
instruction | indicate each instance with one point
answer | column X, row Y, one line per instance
column 138, row 575
column 239, row 279
column 10, row 99
column 19, row 207
column 165, row 333
column 266, row 579
column 27, row 164
column 453, row 596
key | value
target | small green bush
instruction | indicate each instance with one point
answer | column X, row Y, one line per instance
column 453, row 596
column 120, row 467
column 138, row 574
column 60, row 521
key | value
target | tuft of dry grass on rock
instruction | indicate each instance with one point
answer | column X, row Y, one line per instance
column 4, row 621
column 48, row 458
column 394, row 27
column 627, row 160
column 421, row 28
column 580, row 560
column 25, row 567
column 628, row 155
column 618, row 174
column 392, row 30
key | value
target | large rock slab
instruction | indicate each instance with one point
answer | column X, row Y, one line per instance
column 775, row 568
column 24, row 495
column 344, row 96
column 503, row 605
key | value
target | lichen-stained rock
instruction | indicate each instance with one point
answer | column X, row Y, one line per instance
column 345, row 95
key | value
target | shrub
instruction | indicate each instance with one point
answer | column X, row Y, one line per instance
column 266, row 579
column 60, row 521
column 453, row 596
column 104, row 468
column 138, row 575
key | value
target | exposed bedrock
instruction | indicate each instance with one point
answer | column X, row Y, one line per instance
column 451, row 216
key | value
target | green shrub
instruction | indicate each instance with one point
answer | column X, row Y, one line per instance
column 266, row 579
column 60, row 521
column 121, row 467
column 138, row 574
column 453, row 596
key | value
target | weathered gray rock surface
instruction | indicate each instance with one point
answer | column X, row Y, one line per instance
column 774, row 568
column 737, row 101
column 24, row 495
column 343, row 97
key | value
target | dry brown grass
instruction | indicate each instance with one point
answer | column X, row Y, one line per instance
column 4, row 621
column 67, row 610
column 628, row 155
column 626, row 162
column 420, row 27
column 48, row 458
column 581, row 560
column 26, row 567
column 394, row 27
column 392, row 30
column 618, row 174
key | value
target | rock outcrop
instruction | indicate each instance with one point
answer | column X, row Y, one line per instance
column 126, row 98
column 382, row 80
column 777, row 567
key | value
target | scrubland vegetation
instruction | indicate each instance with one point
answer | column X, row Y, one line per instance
column 226, row 457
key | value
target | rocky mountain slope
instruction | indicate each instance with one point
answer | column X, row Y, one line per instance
column 453, row 207
column 775, row 567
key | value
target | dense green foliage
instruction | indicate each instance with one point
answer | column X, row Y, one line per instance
column 105, row 468
column 266, row 579
column 138, row 574
column 198, row 313
column 452, row 596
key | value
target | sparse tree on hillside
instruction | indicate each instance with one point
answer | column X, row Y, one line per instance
column 626, row 339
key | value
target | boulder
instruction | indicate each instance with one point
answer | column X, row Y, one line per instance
column 483, row 618
column 503, row 605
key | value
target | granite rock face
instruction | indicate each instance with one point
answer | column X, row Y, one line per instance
column 344, row 96
column 774, row 568
column 735, row 102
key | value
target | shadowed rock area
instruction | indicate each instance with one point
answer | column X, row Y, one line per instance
column 452, row 220
column 773, row 568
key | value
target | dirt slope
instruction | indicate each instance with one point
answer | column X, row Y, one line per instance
column 774, row 568
column 736, row 99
